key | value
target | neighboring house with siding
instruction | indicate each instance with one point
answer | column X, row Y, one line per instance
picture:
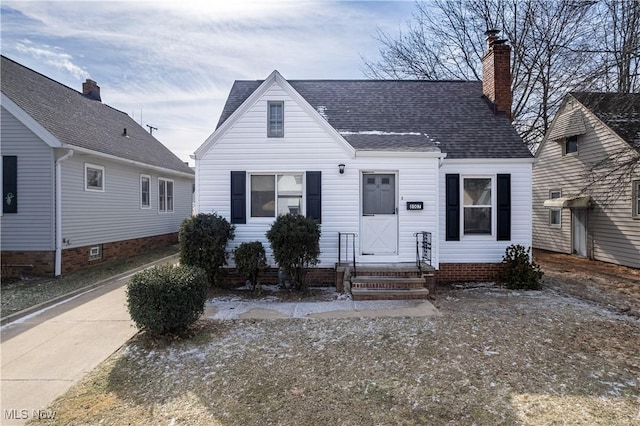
column 82, row 182
column 378, row 159
column 586, row 179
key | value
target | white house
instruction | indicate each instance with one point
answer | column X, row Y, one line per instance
column 586, row 180
column 82, row 182
column 379, row 161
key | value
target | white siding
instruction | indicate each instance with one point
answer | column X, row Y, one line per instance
column 481, row 249
column 613, row 235
column 306, row 146
column 90, row 217
column 32, row 228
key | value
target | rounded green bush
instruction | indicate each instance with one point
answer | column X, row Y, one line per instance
column 251, row 260
column 203, row 243
column 167, row 299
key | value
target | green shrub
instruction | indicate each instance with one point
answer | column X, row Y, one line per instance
column 203, row 243
column 295, row 242
column 519, row 271
column 167, row 299
column 251, row 260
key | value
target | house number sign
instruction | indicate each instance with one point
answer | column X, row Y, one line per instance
column 415, row 205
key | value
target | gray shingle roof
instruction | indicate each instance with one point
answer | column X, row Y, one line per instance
column 405, row 115
column 76, row 120
column 619, row 111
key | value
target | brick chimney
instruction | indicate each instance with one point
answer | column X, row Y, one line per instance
column 496, row 73
column 91, row 90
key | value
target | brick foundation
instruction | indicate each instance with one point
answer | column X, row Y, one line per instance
column 467, row 272
column 16, row 263
column 78, row 258
column 319, row 277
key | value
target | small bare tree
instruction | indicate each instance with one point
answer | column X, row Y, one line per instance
column 552, row 43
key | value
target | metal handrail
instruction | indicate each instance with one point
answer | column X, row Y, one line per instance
column 347, row 236
column 423, row 241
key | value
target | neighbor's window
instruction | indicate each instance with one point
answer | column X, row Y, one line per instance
column 165, row 195
column 571, row 145
column 275, row 121
column 276, row 193
column 477, row 206
column 93, row 177
column 636, row 199
column 145, row 191
column 555, row 214
column 95, row 252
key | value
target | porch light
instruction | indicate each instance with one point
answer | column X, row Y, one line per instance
column 341, row 168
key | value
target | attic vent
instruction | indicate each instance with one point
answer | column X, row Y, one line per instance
column 124, row 133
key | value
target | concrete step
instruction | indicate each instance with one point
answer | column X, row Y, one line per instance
column 388, row 294
column 385, row 282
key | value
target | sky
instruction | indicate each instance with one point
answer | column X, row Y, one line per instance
column 171, row 64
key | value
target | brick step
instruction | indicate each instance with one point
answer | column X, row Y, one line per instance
column 388, row 294
column 383, row 282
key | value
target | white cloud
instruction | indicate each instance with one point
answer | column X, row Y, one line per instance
column 52, row 56
column 176, row 60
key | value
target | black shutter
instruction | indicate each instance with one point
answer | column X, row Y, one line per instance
column 504, row 207
column 314, row 195
column 9, row 184
column 238, row 197
column 452, row 188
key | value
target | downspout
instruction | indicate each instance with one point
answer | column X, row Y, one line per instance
column 58, row 265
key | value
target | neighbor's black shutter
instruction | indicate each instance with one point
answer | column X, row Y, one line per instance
column 504, row 207
column 238, row 197
column 314, row 195
column 9, row 184
column 452, row 189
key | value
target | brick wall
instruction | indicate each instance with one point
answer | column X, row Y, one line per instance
column 78, row 258
column 315, row 277
column 496, row 76
column 16, row 263
column 467, row 272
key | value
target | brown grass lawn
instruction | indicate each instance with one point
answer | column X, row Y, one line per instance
column 493, row 357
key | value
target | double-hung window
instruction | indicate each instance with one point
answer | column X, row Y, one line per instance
column 145, row 191
column 273, row 194
column 275, row 119
column 555, row 214
column 477, row 206
column 165, row 195
column 93, row 177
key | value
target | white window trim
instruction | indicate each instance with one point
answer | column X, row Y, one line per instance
column 635, row 195
column 142, row 206
column 494, row 217
column 303, row 207
column 104, row 177
column 173, row 185
column 555, row 225
column 269, row 103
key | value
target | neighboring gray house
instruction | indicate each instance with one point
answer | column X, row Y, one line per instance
column 379, row 161
column 82, row 182
column 586, row 179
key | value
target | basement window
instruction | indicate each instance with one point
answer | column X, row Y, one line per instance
column 95, row 252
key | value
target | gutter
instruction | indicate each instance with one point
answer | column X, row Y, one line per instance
column 58, row 260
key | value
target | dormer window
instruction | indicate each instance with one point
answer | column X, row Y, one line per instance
column 275, row 119
column 571, row 145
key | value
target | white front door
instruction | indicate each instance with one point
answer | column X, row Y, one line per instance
column 579, row 232
column 379, row 234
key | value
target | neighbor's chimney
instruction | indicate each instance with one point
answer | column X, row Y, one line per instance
column 496, row 73
column 91, row 90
